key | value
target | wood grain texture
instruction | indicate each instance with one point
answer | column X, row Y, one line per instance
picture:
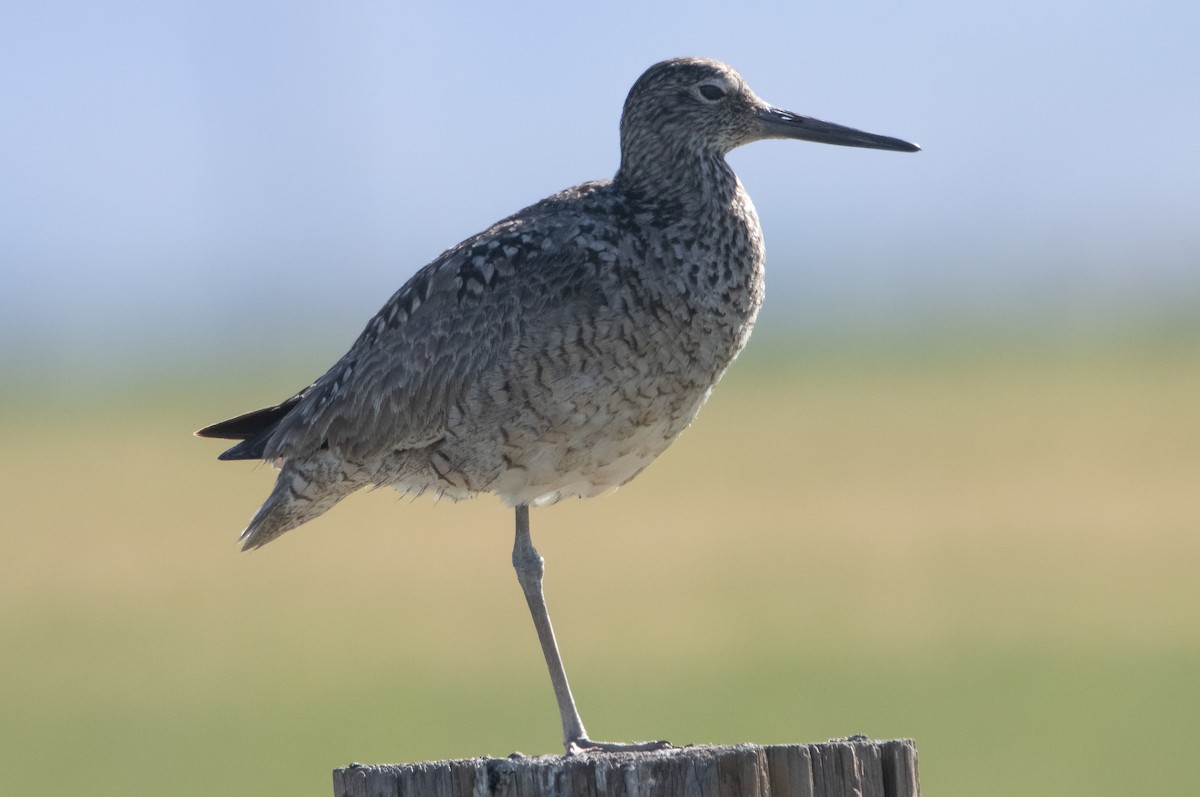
column 854, row 767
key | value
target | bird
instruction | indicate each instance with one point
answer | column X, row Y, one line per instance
column 558, row 352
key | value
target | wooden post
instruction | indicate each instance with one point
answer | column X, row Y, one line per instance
column 839, row 768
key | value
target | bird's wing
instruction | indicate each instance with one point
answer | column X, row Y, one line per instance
column 452, row 322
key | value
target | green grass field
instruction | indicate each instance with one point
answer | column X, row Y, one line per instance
column 992, row 549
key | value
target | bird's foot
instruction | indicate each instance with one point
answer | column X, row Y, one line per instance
column 585, row 745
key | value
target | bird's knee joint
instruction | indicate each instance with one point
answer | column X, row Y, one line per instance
column 528, row 564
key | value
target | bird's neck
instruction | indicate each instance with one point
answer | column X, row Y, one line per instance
column 704, row 230
column 687, row 181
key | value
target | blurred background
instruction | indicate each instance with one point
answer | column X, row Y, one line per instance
column 948, row 493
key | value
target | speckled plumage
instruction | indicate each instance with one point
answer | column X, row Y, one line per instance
column 558, row 352
column 555, row 354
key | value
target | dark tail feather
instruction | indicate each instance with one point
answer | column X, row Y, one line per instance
column 253, row 429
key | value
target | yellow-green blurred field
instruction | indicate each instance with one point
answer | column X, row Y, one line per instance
column 994, row 549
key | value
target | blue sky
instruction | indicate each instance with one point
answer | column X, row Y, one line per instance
column 185, row 175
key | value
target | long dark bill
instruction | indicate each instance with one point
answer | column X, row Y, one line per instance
column 777, row 123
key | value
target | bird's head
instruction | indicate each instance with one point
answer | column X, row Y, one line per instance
column 699, row 105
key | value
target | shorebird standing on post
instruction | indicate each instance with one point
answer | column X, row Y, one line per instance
column 558, row 352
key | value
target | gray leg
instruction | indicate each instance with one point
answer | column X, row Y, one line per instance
column 530, row 566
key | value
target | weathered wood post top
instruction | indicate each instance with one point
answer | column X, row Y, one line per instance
column 839, row 768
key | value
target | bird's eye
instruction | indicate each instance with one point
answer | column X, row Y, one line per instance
column 711, row 92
